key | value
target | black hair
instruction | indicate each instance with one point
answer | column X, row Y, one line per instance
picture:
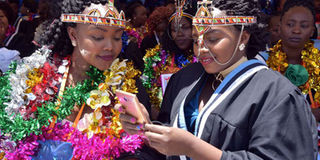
column 7, row 11
column 258, row 33
column 130, row 9
column 55, row 34
column 309, row 4
column 14, row 1
column 168, row 43
column 32, row 5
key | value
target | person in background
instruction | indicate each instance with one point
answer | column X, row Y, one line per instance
column 295, row 55
column 34, row 14
column 137, row 14
column 172, row 53
column 6, row 22
column 273, row 28
column 29, row 9
column 157, row 24
column 295, row 49
column 6, row 29
column 230, row 105
column 135, row 32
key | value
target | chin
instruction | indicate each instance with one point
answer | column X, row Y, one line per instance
column 103, row 67
column 211, row 70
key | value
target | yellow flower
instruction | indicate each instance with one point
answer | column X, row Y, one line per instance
column 98, row 99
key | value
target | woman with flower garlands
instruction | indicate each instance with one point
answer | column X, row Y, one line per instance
column 174, row 52
column 58, row 103
column 231, row 106
column 136, row 28
column 294, row 55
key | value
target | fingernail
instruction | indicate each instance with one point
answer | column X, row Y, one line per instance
column 142, row 126
column 140, row 132
column 133, row 120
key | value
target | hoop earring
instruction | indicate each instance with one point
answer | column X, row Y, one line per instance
column 242, row 46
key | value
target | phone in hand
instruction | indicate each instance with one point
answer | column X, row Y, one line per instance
column 131, row 105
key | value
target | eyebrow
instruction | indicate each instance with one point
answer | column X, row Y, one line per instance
column 303, row 21
column 213, row 31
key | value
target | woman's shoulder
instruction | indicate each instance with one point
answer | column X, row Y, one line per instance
column 193, row 68
column 274, row 82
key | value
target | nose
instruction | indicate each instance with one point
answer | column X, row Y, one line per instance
column 108, row 46
column 296, row 29
column 202, row 47
column 179, row 32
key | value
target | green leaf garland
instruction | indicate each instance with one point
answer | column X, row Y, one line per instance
column 18, row 128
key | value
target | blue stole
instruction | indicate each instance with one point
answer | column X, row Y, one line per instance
column 231, row 82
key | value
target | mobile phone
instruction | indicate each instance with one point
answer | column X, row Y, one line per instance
column 131, row 105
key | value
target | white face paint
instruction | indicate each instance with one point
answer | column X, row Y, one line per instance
column 83, row 52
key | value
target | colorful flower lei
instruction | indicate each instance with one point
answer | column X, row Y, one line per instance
column 138, row 35
column 27, row 103
column 310, row 60
column 157, row 62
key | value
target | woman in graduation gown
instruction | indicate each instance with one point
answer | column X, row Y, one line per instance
column 295, row 55
column 230, row 106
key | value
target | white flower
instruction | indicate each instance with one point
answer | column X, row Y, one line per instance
column 98, row 99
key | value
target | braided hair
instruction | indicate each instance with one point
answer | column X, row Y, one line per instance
column 55, row 34
column 258, row 31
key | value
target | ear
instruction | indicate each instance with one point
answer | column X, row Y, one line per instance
column 72, row 35
column 245, row 37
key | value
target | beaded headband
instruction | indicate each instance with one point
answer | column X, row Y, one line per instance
column 207, row 15
column 180, row 4
column 108, row 16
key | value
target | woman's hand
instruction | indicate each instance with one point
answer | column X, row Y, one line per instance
column 129, row 123
column 169, row 140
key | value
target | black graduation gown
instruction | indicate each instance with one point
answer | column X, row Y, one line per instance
column 263, row 117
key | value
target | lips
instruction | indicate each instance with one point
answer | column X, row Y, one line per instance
column 295, row 39
column 206, row 60
column 106, row 57
column 180, row 41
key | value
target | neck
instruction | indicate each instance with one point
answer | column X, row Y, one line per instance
column 78, row 68
column 293, row 54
